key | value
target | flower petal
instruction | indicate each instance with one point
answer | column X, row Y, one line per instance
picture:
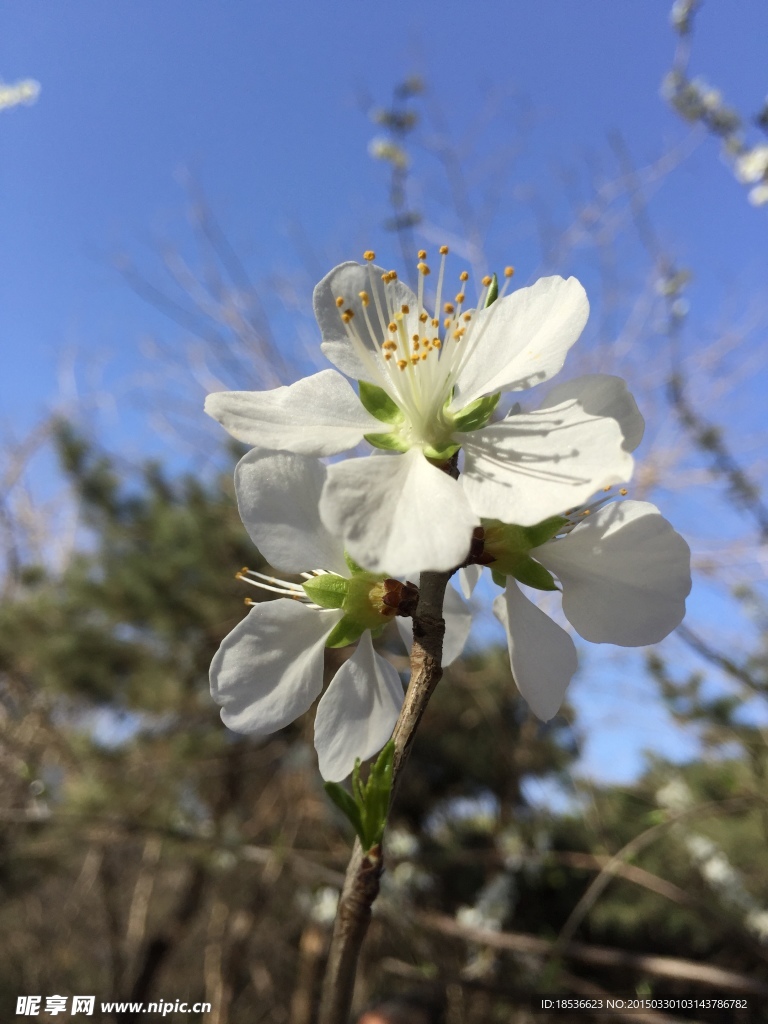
column 277, row 496
column 469, row 577
column 399, row 514
column 625, row 574
column 542, row 655
column 318, row 415
column 358, row 711
column 534, row 465
column 601, row 394
column 347, row 281
column 269, row 669
column 522, row 339
column 458, row 622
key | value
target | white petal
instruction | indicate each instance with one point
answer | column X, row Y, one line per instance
column 539, row 464
column 522, row 339
column 269, row 669
column 347, row 281
column 469, row 577
column 458, row 622
column 601, row 394
column 625, row 574
column 399, row 515
column 318, row 415
column 358, row 711
column 542, row 655
column 277, row 496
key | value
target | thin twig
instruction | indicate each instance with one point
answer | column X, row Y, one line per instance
column 361, row 884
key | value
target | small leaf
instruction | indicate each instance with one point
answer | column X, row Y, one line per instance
column 499, row 578
column 389, row 442
column 477, row 413
column 328, row 590
column 493, row 292
column 378, row 403
column 345, row 632
column 345, row 803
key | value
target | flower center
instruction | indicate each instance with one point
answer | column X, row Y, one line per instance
column 415, row 356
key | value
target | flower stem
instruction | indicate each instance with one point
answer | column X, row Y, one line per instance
column 361, row 883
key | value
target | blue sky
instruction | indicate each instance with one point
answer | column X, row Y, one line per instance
column 265, row 104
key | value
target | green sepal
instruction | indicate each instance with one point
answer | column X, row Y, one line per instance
column 493, row 292
column 499, row 578
column 345, row 632
column 531, row 573
column 328, row 590
column 389, row 442
column 477, row 413
column 378, row 403
column 544, row 531
column 352, row 564
column 442, row 452
column 346, row 804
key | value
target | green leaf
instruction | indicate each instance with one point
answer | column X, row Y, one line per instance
column 378, row 403
column 441, row 453
column 345, row 803
column 328, row 590
column 345, row 632
column 493, row 292
column 530, row 572
column 389, row 442
column 477, row 413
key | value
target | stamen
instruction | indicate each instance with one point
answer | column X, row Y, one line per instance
column 340, row 301
column 422, row 268
column 443, row 250
column 369, row 255
column 422, row 254
column 363, row 296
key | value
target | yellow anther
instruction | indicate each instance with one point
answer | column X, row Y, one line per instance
column 606, row 489
column 405, row 309
column 458, row 334
column 392, row 327
column 447, row 322
column 623, row 491
column 467, row 317
column 423, row 318
column 414, row 359
column 350, row 313
column 346, row 317
column 443, row 250
column 509, row 271
column 585, row 512
column 422, row 268
column 422, row 254
column 435, row 322
column 436, row 343
column 340, row 301
column 369, row 255
column 363, row 296
column 487, row 281
column 449, row 307
column 416, row 343
column 424, row 355
column 402, row 363
column 249, row 601
column 460, row 297
column 387, row 355
column 392, row 275
column 385, row 277
column 464, row 276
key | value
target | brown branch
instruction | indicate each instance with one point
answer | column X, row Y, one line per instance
column 361, row 884
column 599, row 956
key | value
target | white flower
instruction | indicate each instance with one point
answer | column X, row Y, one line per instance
column 269, row 670
column 624, row 574
column 752, row 165
column 428, row 386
